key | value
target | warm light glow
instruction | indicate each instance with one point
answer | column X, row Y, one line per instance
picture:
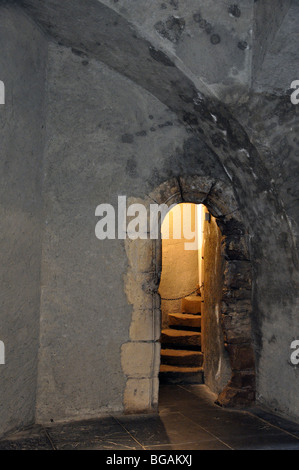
column 182, row 241
column 200, row 227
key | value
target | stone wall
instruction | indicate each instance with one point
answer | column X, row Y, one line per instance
column 127, row 110
column 120, row 144
column 23, row 61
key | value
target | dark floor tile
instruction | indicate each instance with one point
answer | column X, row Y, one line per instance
column 100, row 434
column 279, row 441
column 168, row 409
column 236, row 428
column 282, row 423
column 147, row 429
column 167, row 428
column 203, row 445
column 187, row 398
column 173, row 395
column 188, row 419
column 31, row 439
column 230, row 426
column 201, row 391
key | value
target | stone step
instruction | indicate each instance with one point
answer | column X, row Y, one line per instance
column 181, row 375
column 179, row 357
column 180, row 339
column 184, row 319
column 192, row 304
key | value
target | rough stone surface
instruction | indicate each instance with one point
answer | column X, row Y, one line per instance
column 192, row 304
column 185, row 320
column 216, row 362
column 181, row 338
column 177, row 357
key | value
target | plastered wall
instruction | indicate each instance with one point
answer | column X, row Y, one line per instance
column 23, row 60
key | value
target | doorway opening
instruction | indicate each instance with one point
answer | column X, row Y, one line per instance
column 228, row 361
column 181, row 291
column 192, row 344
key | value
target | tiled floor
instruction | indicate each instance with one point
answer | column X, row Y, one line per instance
column 188, row 419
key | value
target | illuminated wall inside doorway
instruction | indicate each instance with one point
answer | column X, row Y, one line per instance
column 182, row 232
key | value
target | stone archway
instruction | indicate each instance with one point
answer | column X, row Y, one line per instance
column 141, row 355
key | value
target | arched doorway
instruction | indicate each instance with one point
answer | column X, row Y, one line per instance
column 191, row 285
column 142, row 283
column 181, row 292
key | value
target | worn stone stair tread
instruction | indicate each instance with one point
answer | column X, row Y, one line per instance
column 181, row 357
column 180, row 333
column 186, row 313
column 191, row 304
column 184, row 319
column 181, row 338
column 182, row 370
column 180, row 352
column 177, row 375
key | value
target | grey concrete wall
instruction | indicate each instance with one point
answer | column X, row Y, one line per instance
column 22, row 69
column 105, row 137
column 268, row 18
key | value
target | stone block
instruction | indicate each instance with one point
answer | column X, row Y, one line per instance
column 195, row 188
column 184, row 320
column 135, row 293
column 181, row 339
column 222, row 199
column 167, row 193
column 140, row 254
column 236, row 397
column 238, row 275
column 145, row 325
column 236, row 327
column 243, row 379
column 140, row 359
column 191, row 304
column 241, row 356
column 141, row 395
column 178, row 357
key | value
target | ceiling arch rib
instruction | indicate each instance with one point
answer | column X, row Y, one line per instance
column 101, row 33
